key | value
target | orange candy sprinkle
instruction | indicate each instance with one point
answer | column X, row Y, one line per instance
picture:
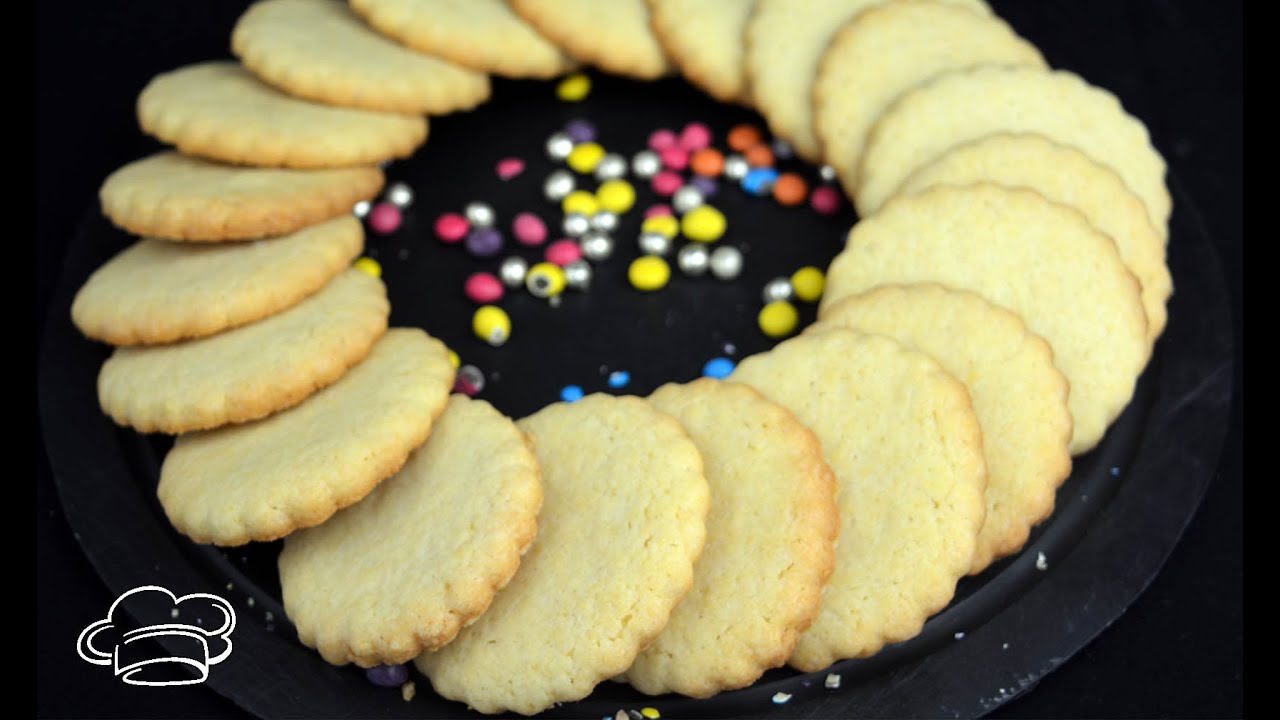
column 744, row 136
column 707, row 162
column 759, row 155
column 790, row 189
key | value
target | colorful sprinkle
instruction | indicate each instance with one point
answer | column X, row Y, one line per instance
column 718, row 368
column 705, row 185
column 726, row 262
column 646, row 164
column 479, row 214
column 384, row 218
column 674, row 157
column 469, row 381
column 484, row 242
column 651, row 713
column 695, row 136
column 454, row 360
column 808, row 282
column 661, row 139
column 491, row 324
column 790, row 189
column 529, row 229
column 574, row 88
column 508, row 168
column 657, row 209
column 563, row 252
column 400, row 195
column 666, row 225
column 825, row 200
column 619, row 378
column 616, row 196
column 585, row 157
column 744, row 136
column 581, row 202
column 708, row 162
column 483, row 288
column 759, row 181
column 571, row 393
column 580, row 130
column 667, row 182
column 387, row 676
column 368, row 265
column 649, row 273
column 703, row 224
column 759, row 156
column 778, row 319
column 452, row 228
column 545, row 280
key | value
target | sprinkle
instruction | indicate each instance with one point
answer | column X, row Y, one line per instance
column 508, row 168
column 695, row 136
column 718, row 368
column 730, row 348
column 529, row 229
column 563, row 252
column 368, row 265
column 249, row 601
column 269, row 616
column 479, row 214
column 664, row 224
column 667, row 182
column 661, row 139
column 832, row 682
column 571, row 393
column 736, row 167
column 646, row 164
column 408, row 690
column 491, row 324
column 454, row 360
column 1042, row 563
column 582, row 202
column 651, row 713
column 469, row 381
column 959, row 636
column 361, row 208
column 622, row 715
column 384, row 218
column 759, row 181
column 558, row 146
column 173, row 613
column 782, row 149
column 781, row 698
column 484, row 242
column 387, row 675
column 708, row 162
column 635, row 715
column 827, row 173
column 1004, row 646
column 545, row 280
column 808, row 282
column 585, row 157
column 1115, row 471
column 824, row 200
column 580, row 130
column 649, row 273
column 705, row 185
column 778, row 319
column 744, row 136
column 574, row 88
column 674, row 157
column 619, row 378
column 703, row 224
column 483, row 288
column 790, row 189
column 617, row 195
column 400, row 195
column 657, row 209
column 759, row 156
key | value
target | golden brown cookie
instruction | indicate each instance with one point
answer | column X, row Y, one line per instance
column 703, row 38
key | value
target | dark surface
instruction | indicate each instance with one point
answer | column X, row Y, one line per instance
column 1178, row 652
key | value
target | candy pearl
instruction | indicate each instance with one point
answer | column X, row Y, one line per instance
column 491, row 324
column 508, row 168
column 558, row 185
column 736, row 167
column 513, row 270
column 559, row 145
column 596, row 246
column 483, row 288
column 645, row 164
column 719, row 368
column 574, row 87
column 384, row 218
column 824, row 200
column 693, row 259
column 529, row 229
column 580, row 130
column 704, row 223
column 387, row 676
column 612, row 166
column 777, row 289
column 545, row 280
column 695, row 136
column 575, row 225
column 667, row 182
column 778, row 319
column 604, row 221
column 577, row 275
column 368, row 265
column 361, row 209
column 661, row 139
column 563, row 252
column 484, row 242
column 400, row 195
column 653, row 243
column 705, row 185
column 827, row 173
column 648, row 273
column 657, row 209
column 674, row 158
column 619, row 379
column 760, row 181
column 479, row 214
column 726, row 262
column 808, row 283
column 571, row 393
column 452, row 228
column 469, row 380
column 686, row 199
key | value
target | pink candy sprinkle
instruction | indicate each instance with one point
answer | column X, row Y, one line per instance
column 661, row 139
column 563, row 252
column 384, row 218
column 452, row 227
column 658, row 209
column 529, row 229
column 695, row 136
column 483, row 288
column 667, row 182
column 825, row 200
column 510, row 167
column 674, row 158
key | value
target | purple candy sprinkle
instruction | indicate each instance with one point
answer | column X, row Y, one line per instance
column 387, row 675
column 580, row 131
column 484, row 242
column 707, row 186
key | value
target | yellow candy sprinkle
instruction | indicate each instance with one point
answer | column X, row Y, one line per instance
column 545, row 279
column 491, row 324
column 574, row 87
column 617, row 196
column 580, row 201
column 703, row 223
column 584, row 157
column 369, row 265
column 651, row 713
column 454, row 360
column 668, row 225
column 778, row 319
column 808, row 283
column 649, row 273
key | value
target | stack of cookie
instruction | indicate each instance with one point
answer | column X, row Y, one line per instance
column 986, row 321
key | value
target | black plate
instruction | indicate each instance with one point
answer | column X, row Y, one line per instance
column 1118, row 515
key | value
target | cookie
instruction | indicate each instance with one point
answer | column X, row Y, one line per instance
column 320, row 50
column 1068, row 176
column 622, row 523
column 962, row 106
column 703, row 38
column 404, row 569
column 614, row 36
column 1019, row 397
column 250, row 371
column 770, row 538
column 219, row 110
column 179, row 197
column 1042, row 260
column 889, row 49
column 901, row 437
column 784, row 41
column 265, row 479
column 484, row 35
column 157, row 291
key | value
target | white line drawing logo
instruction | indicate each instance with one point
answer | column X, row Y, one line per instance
column 114, row 639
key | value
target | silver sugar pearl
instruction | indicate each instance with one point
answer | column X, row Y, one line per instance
column 577, row 275
column 559, row 145
column 480, row 215
column 575, row 225
column 472, row 376
column 596, row 246
column 654, row 243
column 827, row 173
column 778, row 288
column 726, row 262
column 736, row 167
column 693, row 259
column 604, row 221
column 611, row 166
column 646, row 164
column 513, row 270
column 361, row 208
column 558, row 185
column 400, row 195
column 686, row 199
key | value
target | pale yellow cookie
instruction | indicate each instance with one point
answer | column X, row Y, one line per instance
column 783, row 43
column 1042, row 260
column 889, row 49
column 704, row 39
column 770, row 543
column 901, row 437
column 157, row 291
column 219, row 110
column 250, row 371
column 320, row 50
column 615, row 36
column 622, row 523
column 962, row 106
column 1018, row 395
column 406, row 568
column 178, row 197
column 484, row 35
column 265, row 479
column 1068, row 176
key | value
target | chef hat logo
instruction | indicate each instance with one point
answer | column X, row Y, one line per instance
column 196, row 630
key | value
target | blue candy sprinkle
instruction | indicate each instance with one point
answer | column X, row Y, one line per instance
column 619, row 378
column 718, row 368
column 571, row 393
column 760, row 181
column 387, row 675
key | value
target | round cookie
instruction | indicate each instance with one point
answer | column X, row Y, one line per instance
column 770, row 537
column 157, row 291
column 901, row 437
column 615, row 36
column 889, row 49
column 484, row 35
column 783, row 43
column 1019, row 397
column 218, row 110
column 179, row 197
column 622, row 522
column 1064, row 175
column 1042, row 260
column 407, row 567
column 704, row 39
column 962, row 106
column 320, row 50
column 265, row 479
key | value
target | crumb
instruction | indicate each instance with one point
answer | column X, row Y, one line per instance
column 408, row 690
column 781, row 698
column 832, row 682
column 959, row 636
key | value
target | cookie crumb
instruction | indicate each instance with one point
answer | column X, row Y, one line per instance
column 1042, row 563
column 832, row 682
column 408, row 690
column 781, row 698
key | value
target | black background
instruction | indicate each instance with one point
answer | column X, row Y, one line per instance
column 1178, row 652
